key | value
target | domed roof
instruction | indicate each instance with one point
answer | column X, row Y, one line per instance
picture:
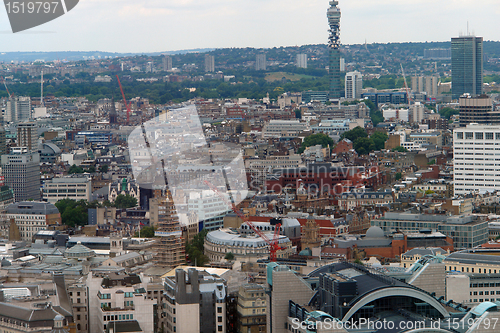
column 375, row 232
column 59, row 317
column 79, row 251
column 306, row 252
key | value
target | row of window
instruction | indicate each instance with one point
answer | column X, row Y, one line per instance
column 478, row 135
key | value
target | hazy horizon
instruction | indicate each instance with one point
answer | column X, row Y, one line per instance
column 126, row 26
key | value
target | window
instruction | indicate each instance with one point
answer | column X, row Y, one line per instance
column 488, row 136
column 469, row 135
column 219, row 328
column 479, row 135
column 460, row 135
column 219, row 309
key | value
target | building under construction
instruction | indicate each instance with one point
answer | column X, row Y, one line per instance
column 170, row 250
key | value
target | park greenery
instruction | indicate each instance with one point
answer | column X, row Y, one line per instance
column 448, row 112
column 195, row 249
column 75, row 213
column 364, row 144
column 125, row 201
column 146, row 232
column 316, row 139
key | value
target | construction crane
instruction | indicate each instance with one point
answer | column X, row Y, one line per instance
column 273, row 243
column 7, row 89
column 127, row 105
column 406, row 86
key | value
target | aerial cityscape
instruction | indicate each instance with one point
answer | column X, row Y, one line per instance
column 324, row 187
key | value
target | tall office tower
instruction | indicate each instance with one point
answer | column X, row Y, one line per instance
column 301, row 60
column 167, row 63
column 417, row 84
column 18, row 109
column 333, row 15
column 431, row 86
column 170, row 251
column 477, row 110
column 209, row 63
column 353, row 85
column 466, row 66
column 260, row 62
column 473, row 170
column 3, row 141
column 21, row 170
column 27, row 136
column 113, row 116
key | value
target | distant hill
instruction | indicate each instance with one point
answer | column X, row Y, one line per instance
column 81, row 55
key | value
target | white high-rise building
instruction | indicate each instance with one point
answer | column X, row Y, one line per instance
column 417, row 84
column 209, row 63
column 18, row 109
column 418, row 112
column 301, row 60
column 431, row 86
column 353, row 85
column 260, row 62
column 474, row 167
column 167, row 63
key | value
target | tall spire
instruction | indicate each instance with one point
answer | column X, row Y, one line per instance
column 333, row 15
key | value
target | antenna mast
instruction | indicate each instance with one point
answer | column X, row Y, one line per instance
column 41, row 91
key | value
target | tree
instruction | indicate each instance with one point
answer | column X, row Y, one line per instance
column 379, row 138
column 316, row 139
column 146, row 232
column 298, row 114
column 73, row 212
column 125, row 201
column 364, row 146
column 195, row 249
column 447, row 112
column 104, row 168
column 75, row 169
column 229, row 256
column 355, row 133
column 398, row 175
column 400, row 149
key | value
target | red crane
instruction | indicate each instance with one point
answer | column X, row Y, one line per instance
column 273, row 243
column 127, row 105
column 7, row 89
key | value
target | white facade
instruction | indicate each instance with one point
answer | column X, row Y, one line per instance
column 67, row 188
column 118, row 303
column 353, row 85
column 476, row 150
column 301, row 60
column 18, row 109
column 418, row 112
column 396, row 114
column 283, row 128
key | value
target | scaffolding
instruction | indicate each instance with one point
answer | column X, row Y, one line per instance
column 170, row 249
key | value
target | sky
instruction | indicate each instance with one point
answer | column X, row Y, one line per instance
column 169, row 25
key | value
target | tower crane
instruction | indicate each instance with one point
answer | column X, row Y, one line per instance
column 7, row 89
column 127, row 105
column 273, row 242
column 406, row 86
